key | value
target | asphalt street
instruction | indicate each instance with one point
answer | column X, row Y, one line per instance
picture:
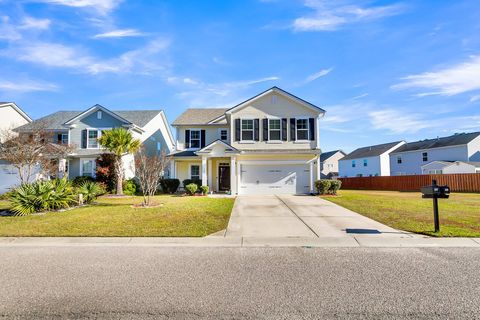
column 239, row 283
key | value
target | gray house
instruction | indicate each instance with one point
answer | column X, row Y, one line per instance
column 409, row 158
column 81, row 129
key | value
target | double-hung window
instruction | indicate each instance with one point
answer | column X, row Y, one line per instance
column 88, row 168
column 274, row 130
column 425, row 157
column 194, row 138
column 302, row 129
column 365, row 162
column 92, row 138
column 223, row 134
column 195, row 172
column 62, row 138
column 399, row 160
column 247, row 130
column 353, row 164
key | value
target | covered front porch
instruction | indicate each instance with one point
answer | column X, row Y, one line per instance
column 215, row 165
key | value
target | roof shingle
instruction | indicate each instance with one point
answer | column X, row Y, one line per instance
column 455, row 140
column 370, row 151
column 198, row 116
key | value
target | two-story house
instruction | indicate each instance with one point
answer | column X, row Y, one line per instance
column 368, row 161
column 329, row 163
column 409, row 159
column 81, row 130
column 268, row 144
column 11, row 117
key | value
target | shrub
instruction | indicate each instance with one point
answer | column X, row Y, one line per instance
column 169, row 185
column 204, row 189
column 130, row 187
column 191, row 188
column 189, row 181
column 42, row 196
column 106, row 171
column 91, row 190
column 80, row 180
column 322, row 186
column 334, row 186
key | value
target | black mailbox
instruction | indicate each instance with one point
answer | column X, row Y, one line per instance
column 435, row 191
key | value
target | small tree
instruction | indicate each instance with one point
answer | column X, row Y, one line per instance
column 120, row 142
column 149, row 170
column 32, row 152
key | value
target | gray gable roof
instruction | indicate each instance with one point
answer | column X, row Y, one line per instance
column 325, row 155
column 370, row 151
column 198, row 116
column 455, row 140
column 56, row 120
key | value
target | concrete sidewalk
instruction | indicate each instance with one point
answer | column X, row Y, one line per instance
column 354, row 241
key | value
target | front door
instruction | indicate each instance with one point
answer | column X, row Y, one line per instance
column 223, row 177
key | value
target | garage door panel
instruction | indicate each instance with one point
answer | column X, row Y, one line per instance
column 274, row 179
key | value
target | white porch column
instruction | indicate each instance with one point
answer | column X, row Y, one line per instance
column 62, row 166
column 210, row 174
column 312, row 188
column 172, row 169
column 233, row 180
column 319, row 169
column 204, row 171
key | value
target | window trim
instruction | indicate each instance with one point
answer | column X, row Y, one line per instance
column 279, row 140
column 252, row 130
column 354, row 164
column 399, row 160
column 425, row 156
column 94, row 171
column 63, row 134
column 220, row 134
column 199, row 171
column 199, row 138
column 296, row 129
column 99, row 135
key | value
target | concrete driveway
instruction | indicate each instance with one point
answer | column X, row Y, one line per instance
column 280, row 216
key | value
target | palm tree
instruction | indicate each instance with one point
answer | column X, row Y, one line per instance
column 119, row 141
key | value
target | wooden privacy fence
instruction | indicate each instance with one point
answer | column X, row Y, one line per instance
column 461, row 182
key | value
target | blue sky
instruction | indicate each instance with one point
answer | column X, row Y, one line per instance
column 383, row 70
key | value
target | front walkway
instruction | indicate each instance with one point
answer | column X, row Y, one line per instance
column 286, row 216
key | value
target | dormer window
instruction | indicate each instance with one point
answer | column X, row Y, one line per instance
column 195, row 138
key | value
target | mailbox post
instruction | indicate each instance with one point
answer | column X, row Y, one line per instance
column 434, row 192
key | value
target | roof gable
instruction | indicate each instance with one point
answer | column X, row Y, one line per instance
column 280, row 92
column 91, row 110
column 16, row 108
column 327, row 155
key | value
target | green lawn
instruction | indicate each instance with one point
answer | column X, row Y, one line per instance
column 177, row 217
column 459, row 215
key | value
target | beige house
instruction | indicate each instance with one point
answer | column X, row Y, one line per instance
column 268, row 144
column 329, row 163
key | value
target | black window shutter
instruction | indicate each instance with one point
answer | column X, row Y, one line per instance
column 292, row 129
column 84, row 139
column 59, row 138
column 284, row 129
column 202, row 139
column 187, row 139
column 311, row 125
column 256, row 124
column 237, row 129
column 265, row 129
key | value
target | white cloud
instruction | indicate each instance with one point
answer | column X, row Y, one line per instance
column 34, row 23
column 318, row 74
column 119, row 33
column 331, row 15
column 26, row 86
column 62, row 56
column 7, row 30
column 363, row 95
column 399, row 122
column 475, row 98
column 101, row 6
column 460, row 78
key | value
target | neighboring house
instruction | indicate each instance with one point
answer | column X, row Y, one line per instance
column 268, row 144
column 445, row 167
column 329, row 163
column 11, row 116
column 368, row 161
column 81, row 130
column 410, row 158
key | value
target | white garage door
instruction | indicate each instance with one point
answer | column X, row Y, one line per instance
column 274, row 179
column 8, row 178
